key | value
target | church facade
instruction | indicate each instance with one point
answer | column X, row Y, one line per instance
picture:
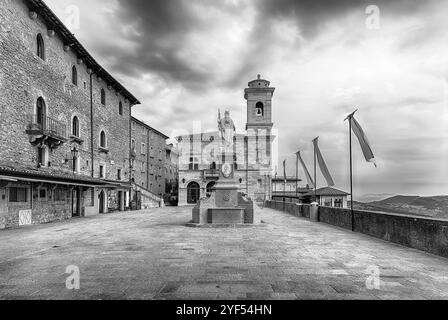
column 200, row 155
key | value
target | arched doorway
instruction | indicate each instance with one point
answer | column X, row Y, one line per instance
column 210, row 187
column 101, row 200
column 193, row 193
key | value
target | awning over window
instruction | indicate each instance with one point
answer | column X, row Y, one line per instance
column 38, row 180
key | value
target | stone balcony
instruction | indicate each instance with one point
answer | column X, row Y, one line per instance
column 43, row 129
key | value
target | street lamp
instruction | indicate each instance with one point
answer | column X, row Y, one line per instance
column 75, row 154
column 132, row 161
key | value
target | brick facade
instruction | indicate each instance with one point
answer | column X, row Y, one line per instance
column 29, row 82
column 172, row 170
column 148, row 151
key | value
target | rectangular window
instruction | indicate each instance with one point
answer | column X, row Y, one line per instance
column 59, row 195
column 42, row 157
column 101, row 171
column 18, row 195
column 92, row 197
column 193, row 164
column 42, row 194
column 119, row 174
column 338, row 203
column 143, row 149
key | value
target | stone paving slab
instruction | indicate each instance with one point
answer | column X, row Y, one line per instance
column 151, row 254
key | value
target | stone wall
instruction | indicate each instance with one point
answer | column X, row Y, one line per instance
column 150, row 157
column 24, row 78
column 43, row 210
column 139, row 136
column 426, row 234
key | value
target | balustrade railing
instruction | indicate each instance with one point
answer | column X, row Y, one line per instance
column 46, row 126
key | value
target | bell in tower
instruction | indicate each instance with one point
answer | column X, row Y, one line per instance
column 259, row 104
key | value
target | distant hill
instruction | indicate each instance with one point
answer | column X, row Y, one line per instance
column 436, row 206
column 397, row 200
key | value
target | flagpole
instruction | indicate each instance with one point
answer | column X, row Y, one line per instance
column 297, row 174
column 284, row 171
column 349, row 118
column 275, row 184
column 351, row 173
column 284, row 185
column 315, row 173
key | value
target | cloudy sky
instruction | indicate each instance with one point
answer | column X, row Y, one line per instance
column 185, row 59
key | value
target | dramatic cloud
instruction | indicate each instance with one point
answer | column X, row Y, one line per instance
column 185, row 59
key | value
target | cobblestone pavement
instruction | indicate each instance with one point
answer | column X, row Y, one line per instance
column 152, row 255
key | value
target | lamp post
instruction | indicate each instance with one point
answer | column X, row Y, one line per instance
column 74, row 153
column 131, row 178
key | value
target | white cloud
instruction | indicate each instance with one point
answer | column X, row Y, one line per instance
column 396, row 76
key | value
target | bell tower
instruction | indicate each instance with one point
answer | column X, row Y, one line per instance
column 259, row 104
column 259, row 138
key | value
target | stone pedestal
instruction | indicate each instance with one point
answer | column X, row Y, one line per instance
column 226, row 206
column 226, row 216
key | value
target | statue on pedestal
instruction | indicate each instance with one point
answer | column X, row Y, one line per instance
column 227, row 129
column 226, row 205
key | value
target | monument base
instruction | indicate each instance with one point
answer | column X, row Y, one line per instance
column 226, row 216
column 224, row 208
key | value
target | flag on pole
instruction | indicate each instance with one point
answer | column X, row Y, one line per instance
column 307, row 173
column 363, row 141
column 322, row 164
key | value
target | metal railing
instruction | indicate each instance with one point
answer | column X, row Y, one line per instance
column 47, row 126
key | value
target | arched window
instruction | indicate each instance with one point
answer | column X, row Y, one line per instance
column 40, row 112
column 74, row 76
column 193, row 193
column 210, row 187
column 103, row 141
column 133, row 146
column 259, row 109
column 75, row 127
column 40, row 47
column 103, row 97
column 120, row 108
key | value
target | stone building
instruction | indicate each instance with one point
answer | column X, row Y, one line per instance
column 331, row 197
column 200, row 155
column 64, row 123
column 172, row 170
column 291, row 185
column 148, row 157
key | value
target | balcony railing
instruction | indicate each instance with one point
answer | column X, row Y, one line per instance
column 43, row 125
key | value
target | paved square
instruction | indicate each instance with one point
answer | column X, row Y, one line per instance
column 152, row 255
